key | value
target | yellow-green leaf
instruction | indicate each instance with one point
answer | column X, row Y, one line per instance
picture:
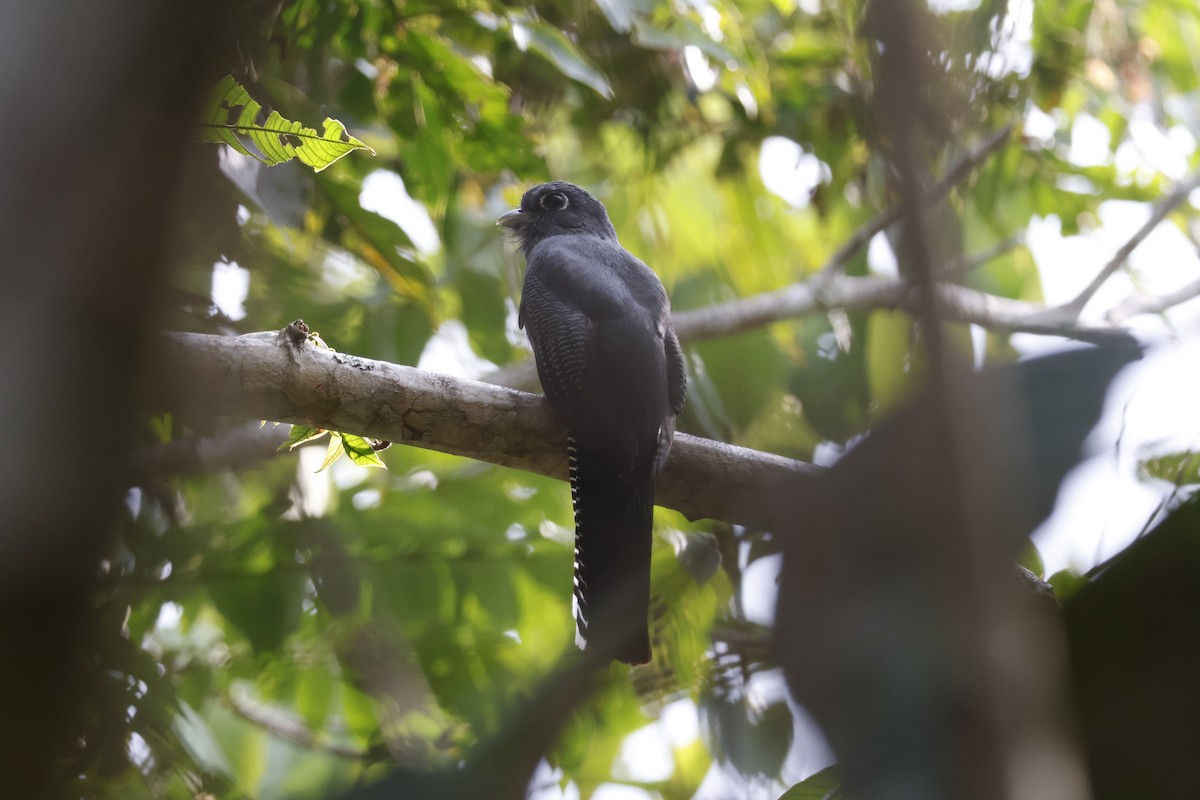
column 301, row 434
column 335, row 450
column 234, row 118
column 361, row 451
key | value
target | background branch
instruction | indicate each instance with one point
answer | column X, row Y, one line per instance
column 955, row 303
column 1160, row 212
column 1153, row 304
column 287, row 727
column 957, row 173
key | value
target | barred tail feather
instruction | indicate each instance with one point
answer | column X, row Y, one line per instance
column 614, row 518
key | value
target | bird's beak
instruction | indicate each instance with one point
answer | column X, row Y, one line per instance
column 511, row 219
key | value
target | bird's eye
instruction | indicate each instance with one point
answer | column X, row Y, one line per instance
column 555, row 201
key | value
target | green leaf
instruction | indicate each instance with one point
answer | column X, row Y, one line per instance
column 200, row 742
column 233, row 118
column 895, row 369
column 333, row 452
column 1178, row 469
column 361, row 451
column 554, row 46
column 266, row 608
column 824, row 785
column 314, row 695
column 301, row 434
column 1066, row 583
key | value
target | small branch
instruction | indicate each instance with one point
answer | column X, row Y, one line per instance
column 267, row 377
column 285, row 726
column 961, row 267
column 1161, row 210
column 1152, row 304
column 964, row 167
column 955, row 303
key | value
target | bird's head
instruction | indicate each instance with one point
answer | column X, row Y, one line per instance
column 556, row 208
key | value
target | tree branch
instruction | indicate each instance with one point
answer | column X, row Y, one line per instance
column 1161, row 210
column 956, row 303
column 960, row 267
column 1152, row 304
column 269, row 376
column 964, row 167
column 287, row 727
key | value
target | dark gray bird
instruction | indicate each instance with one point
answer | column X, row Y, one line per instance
column 600, row 324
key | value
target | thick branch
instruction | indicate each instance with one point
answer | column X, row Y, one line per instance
column 267, row 376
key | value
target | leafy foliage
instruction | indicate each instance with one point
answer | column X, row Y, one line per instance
column 274, row 632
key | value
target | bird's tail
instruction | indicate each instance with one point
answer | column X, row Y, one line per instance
column 614, row 519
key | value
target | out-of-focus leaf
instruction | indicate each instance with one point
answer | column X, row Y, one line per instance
column 381, row 243
column 830, row 382
column 266, row 608
column 1179, row 469
column 746, row 371
column 1031, row 560
column 484, row 313
column 682, row 34
column 756, row 740
column 196, row 736
column 553, row 45
column 894, row 370
column 244, row 745
column 314, row 695
column 621, row 13
column 823, row 785
column 1066, row 583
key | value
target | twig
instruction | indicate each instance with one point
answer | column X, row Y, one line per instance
column 287, row 727
column 1152, row 304
column 1161, row 210
column 961, row 169
column 959, row 268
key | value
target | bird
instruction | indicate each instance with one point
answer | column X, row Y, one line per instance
column 610, row 364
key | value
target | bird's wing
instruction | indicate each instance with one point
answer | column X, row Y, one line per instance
column 592, row 341
column 676, row 370
column 561, row 334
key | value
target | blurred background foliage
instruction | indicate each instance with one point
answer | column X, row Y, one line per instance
column 275, row 632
